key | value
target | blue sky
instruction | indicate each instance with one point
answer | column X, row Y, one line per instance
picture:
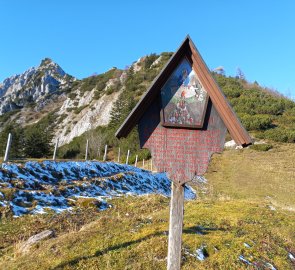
column 88, row 36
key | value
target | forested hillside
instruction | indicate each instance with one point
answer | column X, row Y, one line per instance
column 265, row 113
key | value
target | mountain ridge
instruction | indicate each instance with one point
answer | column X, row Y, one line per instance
column 33, row 86
column 78, row 105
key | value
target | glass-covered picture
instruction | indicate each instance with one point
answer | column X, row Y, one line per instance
column 184, row 99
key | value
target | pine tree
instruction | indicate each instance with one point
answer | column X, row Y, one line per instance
column 122, row 107
column 38, row 137
column 240, row 74
column 37, row 142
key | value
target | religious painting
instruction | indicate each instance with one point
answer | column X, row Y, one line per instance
column 184, row 99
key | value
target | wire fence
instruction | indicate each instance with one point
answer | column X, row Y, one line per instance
column 122, row 158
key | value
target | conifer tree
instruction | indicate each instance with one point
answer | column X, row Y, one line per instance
column 37, row 142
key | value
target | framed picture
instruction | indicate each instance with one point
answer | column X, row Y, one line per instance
column 184, row 99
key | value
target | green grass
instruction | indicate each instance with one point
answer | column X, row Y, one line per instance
column 237, row 206
column 261, row 147
column 253, row 175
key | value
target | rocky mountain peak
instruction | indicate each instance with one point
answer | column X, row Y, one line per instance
column 48, row 65
column 46, row 61
column 34, row 85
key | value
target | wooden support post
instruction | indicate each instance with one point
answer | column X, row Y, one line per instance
column 86, row 151
column 119, row 153
column 151, row 164
column 6, row 156
column 136, row 157
column 143, row 163
column 127, row 158
column 98, row 154
column 55, row 150
column 175, row 227
column 105, row 152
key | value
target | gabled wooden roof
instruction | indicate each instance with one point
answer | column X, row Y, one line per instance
column 188, row 49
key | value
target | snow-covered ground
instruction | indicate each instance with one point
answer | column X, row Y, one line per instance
column 35, row 186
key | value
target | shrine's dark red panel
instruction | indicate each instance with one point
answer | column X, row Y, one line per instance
column 182, row 153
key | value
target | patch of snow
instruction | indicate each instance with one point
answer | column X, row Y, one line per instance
column 259, row 142
column 272, row 208
column 230, row 144
column 242, row 258
column 247, row 245
column 53, row 185
column 17, row 210
column 201, row 179
column 200, row 253
column 2, row 204
column 39, row 210
column 270, row 266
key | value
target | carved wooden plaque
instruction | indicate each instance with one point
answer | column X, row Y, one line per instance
column 183, row 117
column 181, row 152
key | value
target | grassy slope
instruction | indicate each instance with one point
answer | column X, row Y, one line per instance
column 253, row 175
column 133, row 234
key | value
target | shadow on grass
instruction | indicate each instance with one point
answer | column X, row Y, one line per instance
column 98, row 253
column 191, row 230
column 201, row 230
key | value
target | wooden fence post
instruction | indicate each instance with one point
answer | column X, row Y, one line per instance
column 55, row 150
column 105, row 152
column 6, row 156
column 98, row 154
column 151, row 164
column 127, row 158
column 119, row 153
column 136, row 157
column 86, row 152
column 143, row 163
column 175, row 227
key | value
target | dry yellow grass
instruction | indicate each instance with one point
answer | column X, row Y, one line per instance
column 253, row 175
column 243, row 186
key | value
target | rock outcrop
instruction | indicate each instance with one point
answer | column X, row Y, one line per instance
column 34, row 86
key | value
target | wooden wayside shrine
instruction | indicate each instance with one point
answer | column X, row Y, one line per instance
column 183, row 119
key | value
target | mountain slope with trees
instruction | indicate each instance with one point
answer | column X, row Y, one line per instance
column 265, row 114
column 93, row 108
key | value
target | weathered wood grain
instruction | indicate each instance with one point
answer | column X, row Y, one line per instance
column 175, row 227
column 182, row 153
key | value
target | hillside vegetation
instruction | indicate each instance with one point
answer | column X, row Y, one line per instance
column 243, row 218
column 265, row 113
